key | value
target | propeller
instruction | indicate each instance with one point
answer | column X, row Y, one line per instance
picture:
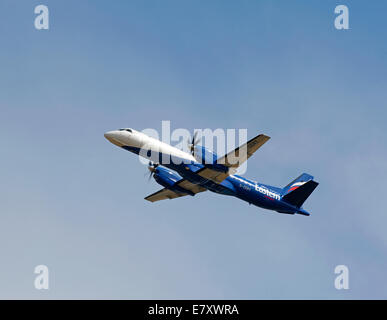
column 193, row 143
column 152, row 169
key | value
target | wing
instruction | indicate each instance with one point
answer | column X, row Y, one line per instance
column 238, row 156
column 189, row 186
column 234, row 159
column 165, row 193
column 213, row 175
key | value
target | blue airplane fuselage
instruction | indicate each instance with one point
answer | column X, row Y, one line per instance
column 258, row 194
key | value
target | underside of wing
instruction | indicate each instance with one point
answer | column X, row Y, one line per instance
column 213, row 175
column 165, row 193
column 189, row 186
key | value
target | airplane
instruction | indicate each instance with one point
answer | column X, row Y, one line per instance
column 182, row 173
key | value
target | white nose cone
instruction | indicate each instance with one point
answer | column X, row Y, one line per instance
column 109, row 135
column 113, row 137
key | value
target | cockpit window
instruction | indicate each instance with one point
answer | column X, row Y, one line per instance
column 127, row 129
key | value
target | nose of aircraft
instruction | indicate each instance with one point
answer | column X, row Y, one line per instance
column 113, row 137
column 109, row 135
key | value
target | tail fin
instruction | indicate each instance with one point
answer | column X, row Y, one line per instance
column 297, row 182
column 297, row 191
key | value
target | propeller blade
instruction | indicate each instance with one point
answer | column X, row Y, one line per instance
column 193, row 143
column 152, row 169
column 195, row 138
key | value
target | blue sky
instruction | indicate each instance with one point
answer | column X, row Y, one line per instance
column 74, row 202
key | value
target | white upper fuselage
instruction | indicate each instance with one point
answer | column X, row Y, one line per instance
column 138, row 140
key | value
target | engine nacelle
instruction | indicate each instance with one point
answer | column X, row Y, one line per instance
column 209, row 159
column 204, row 155
column 168, row 179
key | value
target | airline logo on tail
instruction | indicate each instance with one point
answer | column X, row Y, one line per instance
column 296, row 185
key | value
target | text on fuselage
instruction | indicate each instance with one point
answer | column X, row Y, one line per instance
column 267, row 192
